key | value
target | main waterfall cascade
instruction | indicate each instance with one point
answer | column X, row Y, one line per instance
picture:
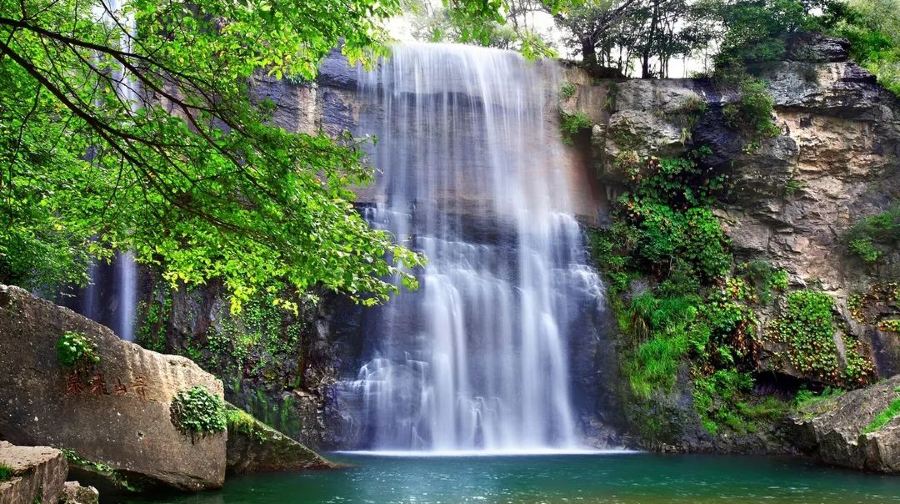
column 472, row 171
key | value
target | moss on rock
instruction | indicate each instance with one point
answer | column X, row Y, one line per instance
column 255, row 447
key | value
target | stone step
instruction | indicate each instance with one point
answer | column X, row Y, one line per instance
column 38, row 474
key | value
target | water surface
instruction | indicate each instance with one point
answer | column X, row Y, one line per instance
column 610, row 478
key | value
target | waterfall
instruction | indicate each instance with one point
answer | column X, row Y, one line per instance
column 110, row 297
column 472, row 171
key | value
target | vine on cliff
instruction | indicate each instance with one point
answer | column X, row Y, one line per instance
column 806, row 329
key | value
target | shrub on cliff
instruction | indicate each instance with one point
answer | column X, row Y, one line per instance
column 873, row 29
column 876, row 235
column 196, row 412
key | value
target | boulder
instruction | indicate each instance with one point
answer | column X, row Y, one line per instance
column 116, row 412
column 255, row 447
column 38, row 474
column 74, row 493
column 841, row 431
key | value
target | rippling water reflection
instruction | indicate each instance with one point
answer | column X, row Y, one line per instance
column 610, row 478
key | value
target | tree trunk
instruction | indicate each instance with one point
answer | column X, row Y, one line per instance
column 651, row 35
column 588, row 52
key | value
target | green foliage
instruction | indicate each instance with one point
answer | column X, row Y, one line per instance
column 806, row 328
column 865, row 249
column 874, row 236
column 6, row 473
column 240, row 421
column 118, row 479
column 73, row 458
column 212, row 192
column 481, row 22
column 618, row 37
column 755, row 31
column 655, row 362
column 671, row 229
column 806, row 398
column 765, row 278
column 694, row 314
column 884, row 417
column 713, row 394
column 75, row 350
column 873, row 29
column 154, row 316
column 792, row 186
column 196, row 412
column 567, row 90
column 753, row 113
column 573, row 124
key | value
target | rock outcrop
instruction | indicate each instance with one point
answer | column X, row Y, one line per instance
column 116, row 412
column 255, row 447
column 844, row 431
column 74, row 493
column 834, row 160
column 38, row 474
column 795, row 196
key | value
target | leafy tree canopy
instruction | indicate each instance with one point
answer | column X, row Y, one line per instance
column 130, row 127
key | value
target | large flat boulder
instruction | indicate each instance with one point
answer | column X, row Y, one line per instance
column 854, row 430
column 38, row 474
column 116, row 411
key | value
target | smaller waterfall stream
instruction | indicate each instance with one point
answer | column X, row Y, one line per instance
column 474, row 174
column 111, row 294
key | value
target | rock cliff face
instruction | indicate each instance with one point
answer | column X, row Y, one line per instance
column 846, row 431
column 795, row 196
column 117, row 412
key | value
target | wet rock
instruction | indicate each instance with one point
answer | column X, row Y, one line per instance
column 116, row 412
column 839, row 431
column 38, row 474
column 255, row 447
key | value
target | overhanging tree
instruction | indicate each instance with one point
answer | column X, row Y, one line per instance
column 190, row 176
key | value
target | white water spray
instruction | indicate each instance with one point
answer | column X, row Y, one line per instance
column 473, row 173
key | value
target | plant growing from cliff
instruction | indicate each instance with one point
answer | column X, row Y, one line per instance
column 892, row 325
column 196, row 412
column 885, row 416
column 806, row 328
column 873, row 29
column 753, row 113
column 74, row 350
column 567, row 90
column 874, row 236
column 6, row 472
column 154, row 316
column 573, row 124
column 792, row 186
column 765, row 278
